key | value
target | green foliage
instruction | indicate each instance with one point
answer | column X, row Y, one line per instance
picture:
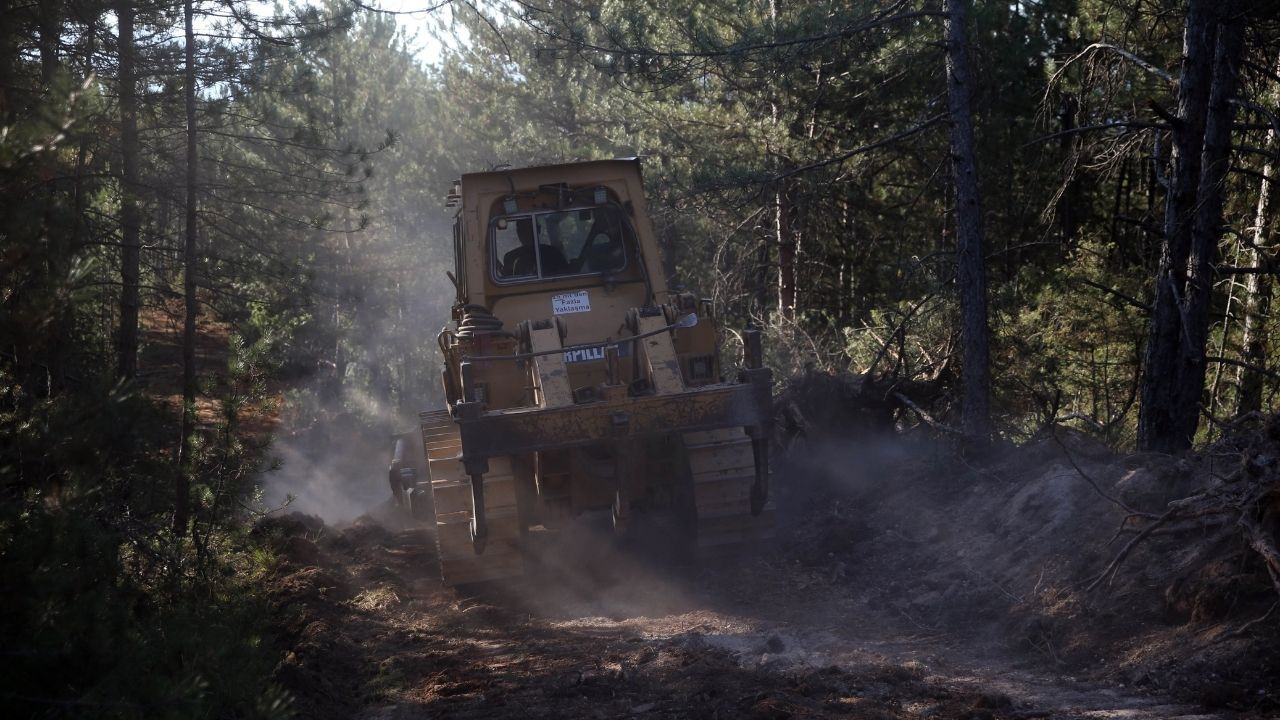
column 735, row 109
column 106, row 613
column 114, row 617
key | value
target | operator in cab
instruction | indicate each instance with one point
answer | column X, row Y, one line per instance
column 523, row 261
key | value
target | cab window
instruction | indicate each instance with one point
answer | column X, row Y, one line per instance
column 558, row 243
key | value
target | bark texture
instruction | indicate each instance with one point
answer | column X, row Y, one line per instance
column 181, row 510
column 786, row 239
column 1257, row 302
column 130, row 220
column 971, row 276
column 1174, row 360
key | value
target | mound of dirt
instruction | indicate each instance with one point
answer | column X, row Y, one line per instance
column 1095, row 562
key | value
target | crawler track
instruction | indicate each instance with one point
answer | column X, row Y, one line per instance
column 720, row 462
column 451, row 506
column 723, row 469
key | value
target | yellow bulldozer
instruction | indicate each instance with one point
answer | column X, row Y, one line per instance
column 577, row 381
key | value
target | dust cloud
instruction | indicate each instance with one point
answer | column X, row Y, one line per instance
column 371, row 367
column 336, row 472
column 330, row 456
column 585, row 572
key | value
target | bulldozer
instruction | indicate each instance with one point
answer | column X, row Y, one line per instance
column 577, row 381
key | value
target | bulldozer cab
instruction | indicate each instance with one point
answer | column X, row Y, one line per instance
column 569, row 243
column 529, row 242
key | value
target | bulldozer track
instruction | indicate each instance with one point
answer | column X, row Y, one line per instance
column 723, row 469
column 452, row 511
column 721, row 465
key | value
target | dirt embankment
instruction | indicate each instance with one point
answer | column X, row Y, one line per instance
column 1138, row 570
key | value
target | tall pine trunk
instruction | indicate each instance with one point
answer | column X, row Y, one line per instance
column 1174, row 362
column 760, row 294
column 1207, row 232
column 49, row 17
column 773, row 235
column 971, row 276
column 181, row 510
column 130, row 221
column 1257, row 302
column 1157, row 417
column 786, row 239
column 8, row 64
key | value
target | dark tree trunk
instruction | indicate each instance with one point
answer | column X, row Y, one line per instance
column 8, row 63
column 970, row 269
column 50, row 19
column 1173, row 366
column 764, row 253
column 1068, row 217
column 130, row 220
column 762, row 276
column 181, row 510
column 1157, row 418
column 1117, row 207
column 1207, row 232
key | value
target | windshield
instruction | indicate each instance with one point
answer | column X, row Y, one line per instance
column 568, row 242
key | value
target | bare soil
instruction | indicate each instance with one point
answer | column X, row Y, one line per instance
column 600, row 631
column 905, row 582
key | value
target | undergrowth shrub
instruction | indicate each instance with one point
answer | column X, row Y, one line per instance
column 106, row 613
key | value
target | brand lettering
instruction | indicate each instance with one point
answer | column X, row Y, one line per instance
column 589, row 354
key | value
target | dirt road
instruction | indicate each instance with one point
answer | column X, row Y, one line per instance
column 375, row 635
